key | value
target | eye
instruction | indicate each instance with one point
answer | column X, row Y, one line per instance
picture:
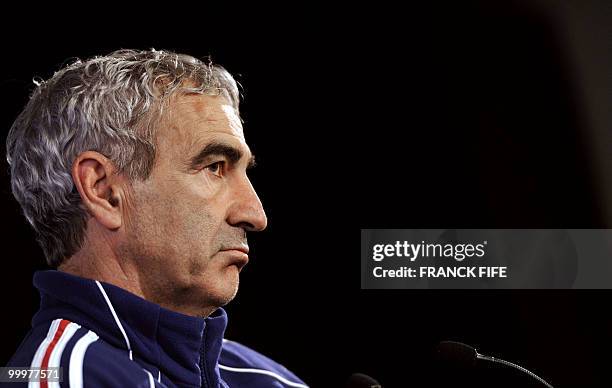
column 216, row 168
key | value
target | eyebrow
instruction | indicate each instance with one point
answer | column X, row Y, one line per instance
column 231, row 153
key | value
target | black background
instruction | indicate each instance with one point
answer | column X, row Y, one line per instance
column 427, row 116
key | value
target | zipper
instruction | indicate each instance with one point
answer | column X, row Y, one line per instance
column 203, row 374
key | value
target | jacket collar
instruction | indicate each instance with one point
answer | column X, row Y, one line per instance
column 183, row 348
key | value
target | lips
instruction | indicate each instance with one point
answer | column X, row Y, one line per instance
column 240, row 248
column 238, row 256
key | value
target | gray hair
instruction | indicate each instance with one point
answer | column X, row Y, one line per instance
column 109, row 104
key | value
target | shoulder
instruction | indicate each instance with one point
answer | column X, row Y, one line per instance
column 240, row 364
column 102, row 365
column 81, row 356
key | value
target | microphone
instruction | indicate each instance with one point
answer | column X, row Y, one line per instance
column 466, row 355
column 359, row 380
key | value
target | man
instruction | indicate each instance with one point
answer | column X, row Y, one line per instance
column 132, row 170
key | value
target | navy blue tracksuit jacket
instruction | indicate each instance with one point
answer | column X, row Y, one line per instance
column 103, row 336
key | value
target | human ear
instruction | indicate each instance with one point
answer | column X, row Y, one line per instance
column 99, row 185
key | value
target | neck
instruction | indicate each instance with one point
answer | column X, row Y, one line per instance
column 97, row 260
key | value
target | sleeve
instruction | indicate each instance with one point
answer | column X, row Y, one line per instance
column 242, row 365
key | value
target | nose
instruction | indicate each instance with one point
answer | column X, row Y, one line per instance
column 246, row 210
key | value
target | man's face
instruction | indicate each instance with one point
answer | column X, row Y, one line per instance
column 186, row 224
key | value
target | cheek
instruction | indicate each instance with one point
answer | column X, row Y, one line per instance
column 201, row 207
column 184, row 215
column 206, row 185
column 192, row 226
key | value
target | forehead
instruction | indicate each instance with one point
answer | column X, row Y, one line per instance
column 192, row 121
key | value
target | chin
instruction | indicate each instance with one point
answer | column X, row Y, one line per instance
column 223, row 291
column 220, row 299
